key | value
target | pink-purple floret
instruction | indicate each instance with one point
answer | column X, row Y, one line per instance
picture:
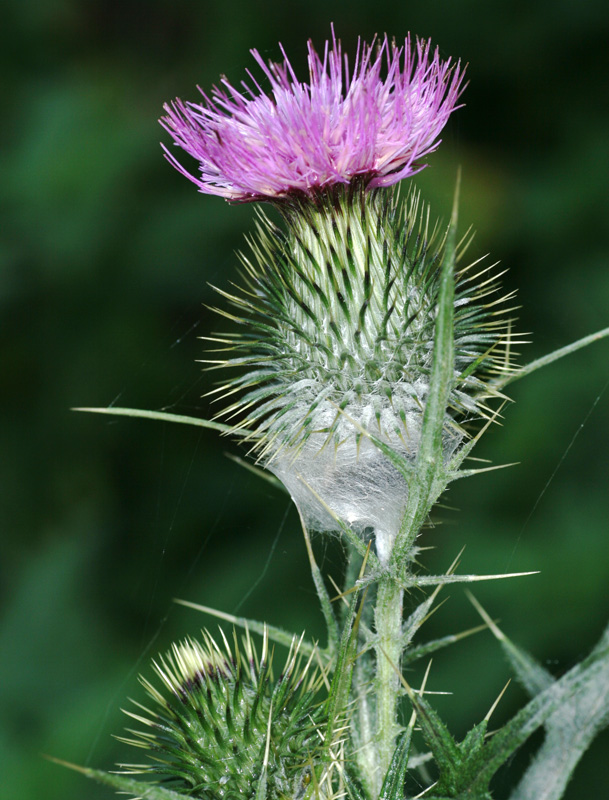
column 376, row 123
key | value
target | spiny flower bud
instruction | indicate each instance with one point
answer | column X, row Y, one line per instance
column 338, row 317
column 222, row 723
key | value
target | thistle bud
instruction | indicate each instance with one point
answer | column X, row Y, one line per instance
column 221, row 722
column 338, row 317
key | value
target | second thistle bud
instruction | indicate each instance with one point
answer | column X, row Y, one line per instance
column 339, row 316
column 222, row 726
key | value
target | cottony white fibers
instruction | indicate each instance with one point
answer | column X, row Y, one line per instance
column 354, row 482
column 339, row 317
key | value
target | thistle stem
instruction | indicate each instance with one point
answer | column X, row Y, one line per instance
column 388, row 617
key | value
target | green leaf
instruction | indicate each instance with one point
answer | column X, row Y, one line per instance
column 443, row 354
column 441, row 580
column 354, row 790
column 274, row 634
column 338, row 697
column 585, row 688
column 457, row 763
column 439, row 740
column 123, row 783
column 393, row 785
column 417, row 618
column 260, row 473
column 577, row 720
column 424, row 610
column 428, row 648
column 163, row 416
column 322, row 592
column 499, row 383
column 529, row 672
column 573, row 709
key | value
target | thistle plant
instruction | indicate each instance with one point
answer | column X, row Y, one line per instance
column 364, row 358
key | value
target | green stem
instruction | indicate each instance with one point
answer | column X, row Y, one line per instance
column 424, row 486
column 389, row 603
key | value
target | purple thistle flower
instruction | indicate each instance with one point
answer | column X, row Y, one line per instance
column 303, row 137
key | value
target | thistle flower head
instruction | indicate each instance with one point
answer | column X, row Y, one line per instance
column 376, row 121
column 221, row 722
column 338, row 320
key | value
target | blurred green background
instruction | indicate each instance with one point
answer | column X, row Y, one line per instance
column 107, row 255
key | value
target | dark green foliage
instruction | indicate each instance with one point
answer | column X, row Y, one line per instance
column 573, row 709
column 582, row 711
column 456, row 762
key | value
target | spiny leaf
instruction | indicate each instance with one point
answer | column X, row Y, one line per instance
column 456, row 761
column 443, row 351
column 435, row 580
column 500, row 383
column 581, row 684
column 441, row 743
column 393, row 785
column 468, row 473
column 162, row 416
column 322, row 592
column 354, row 790
column 531, row 674
column 123, row 783
column 422, row 612
column 428, row 648
column 274, row 634
column 577, row 720
column 338, row 697
column 260, row 473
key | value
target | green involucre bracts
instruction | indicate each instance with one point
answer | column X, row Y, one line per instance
column 336, row 324
column 221, row 722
